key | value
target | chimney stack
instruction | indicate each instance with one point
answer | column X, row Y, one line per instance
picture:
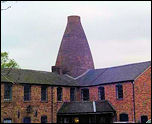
column 73, row 19
column 74, row 55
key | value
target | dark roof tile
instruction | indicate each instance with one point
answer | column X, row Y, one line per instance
column 113, row 74
column 85, row 107
column 35, row 77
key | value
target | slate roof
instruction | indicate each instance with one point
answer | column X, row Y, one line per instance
column 83, row 107
column 113, row 74
column 92, row 77
column 35, row 77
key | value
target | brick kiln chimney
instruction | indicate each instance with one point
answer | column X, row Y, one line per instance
column 74, row 56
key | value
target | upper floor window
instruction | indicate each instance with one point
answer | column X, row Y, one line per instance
column 119, row 91
column 44, row 119
column 27, row 92
column 101, row 93
column 59, row 94
column 7, row 91
column 123, row 117
column 72, row 94
column 85, row 94
column 43, row 93
column 144, row 118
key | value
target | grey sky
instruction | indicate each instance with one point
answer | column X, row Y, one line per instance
column 118, row 32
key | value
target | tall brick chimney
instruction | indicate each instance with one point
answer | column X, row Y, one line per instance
column 74, row 56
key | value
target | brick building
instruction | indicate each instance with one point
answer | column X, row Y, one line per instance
column 74, row 91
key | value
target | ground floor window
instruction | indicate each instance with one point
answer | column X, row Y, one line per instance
column 124, row 117
column 7, row 120
column 144, row 119
column 44, row 119
column 27, row 120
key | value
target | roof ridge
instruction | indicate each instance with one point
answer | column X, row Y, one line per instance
column 122, row 65
column 25, row 70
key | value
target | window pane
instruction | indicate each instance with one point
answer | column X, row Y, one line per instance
column 43, row 93
column 85, row 94
column 43, row 119
column 59, row 94
column 124, row 117
column 144, row 119
column 72, row 94
column 27, row 92
column 27, row 120
column 101, row 93
column 7, row 91
column 119, row 90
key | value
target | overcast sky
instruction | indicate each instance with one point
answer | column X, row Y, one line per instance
column 118, row 32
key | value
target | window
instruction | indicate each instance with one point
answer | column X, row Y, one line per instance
column 72, row 94
column 119, row 91
column 59, row 94
column 43, row 93
column 7, row 120
column 101, row 93
column 7, row 91
column 27, row 92
column 144, row 118
column 123, row 117
column 44, row 119
column 85, row 94
column 27, row 120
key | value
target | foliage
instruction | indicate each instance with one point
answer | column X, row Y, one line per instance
column 6, row 62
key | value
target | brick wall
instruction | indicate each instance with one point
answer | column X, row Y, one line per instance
column 143, row 95
column 121, row 106
column 50, row 108
column 11, row 109
column 58, row 104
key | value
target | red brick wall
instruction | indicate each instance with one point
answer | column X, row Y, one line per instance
column 143, row 95
column 17, row 104
column 50, row 108
column 57, row 104
column 10, row 109
column 121, row 106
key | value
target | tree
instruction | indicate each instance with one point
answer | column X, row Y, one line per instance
column 6, row 62
column 6, row 4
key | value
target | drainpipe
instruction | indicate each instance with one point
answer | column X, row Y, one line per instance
column 94, row 110
column 51, row 104
column 134, row 101
column 94, row 106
